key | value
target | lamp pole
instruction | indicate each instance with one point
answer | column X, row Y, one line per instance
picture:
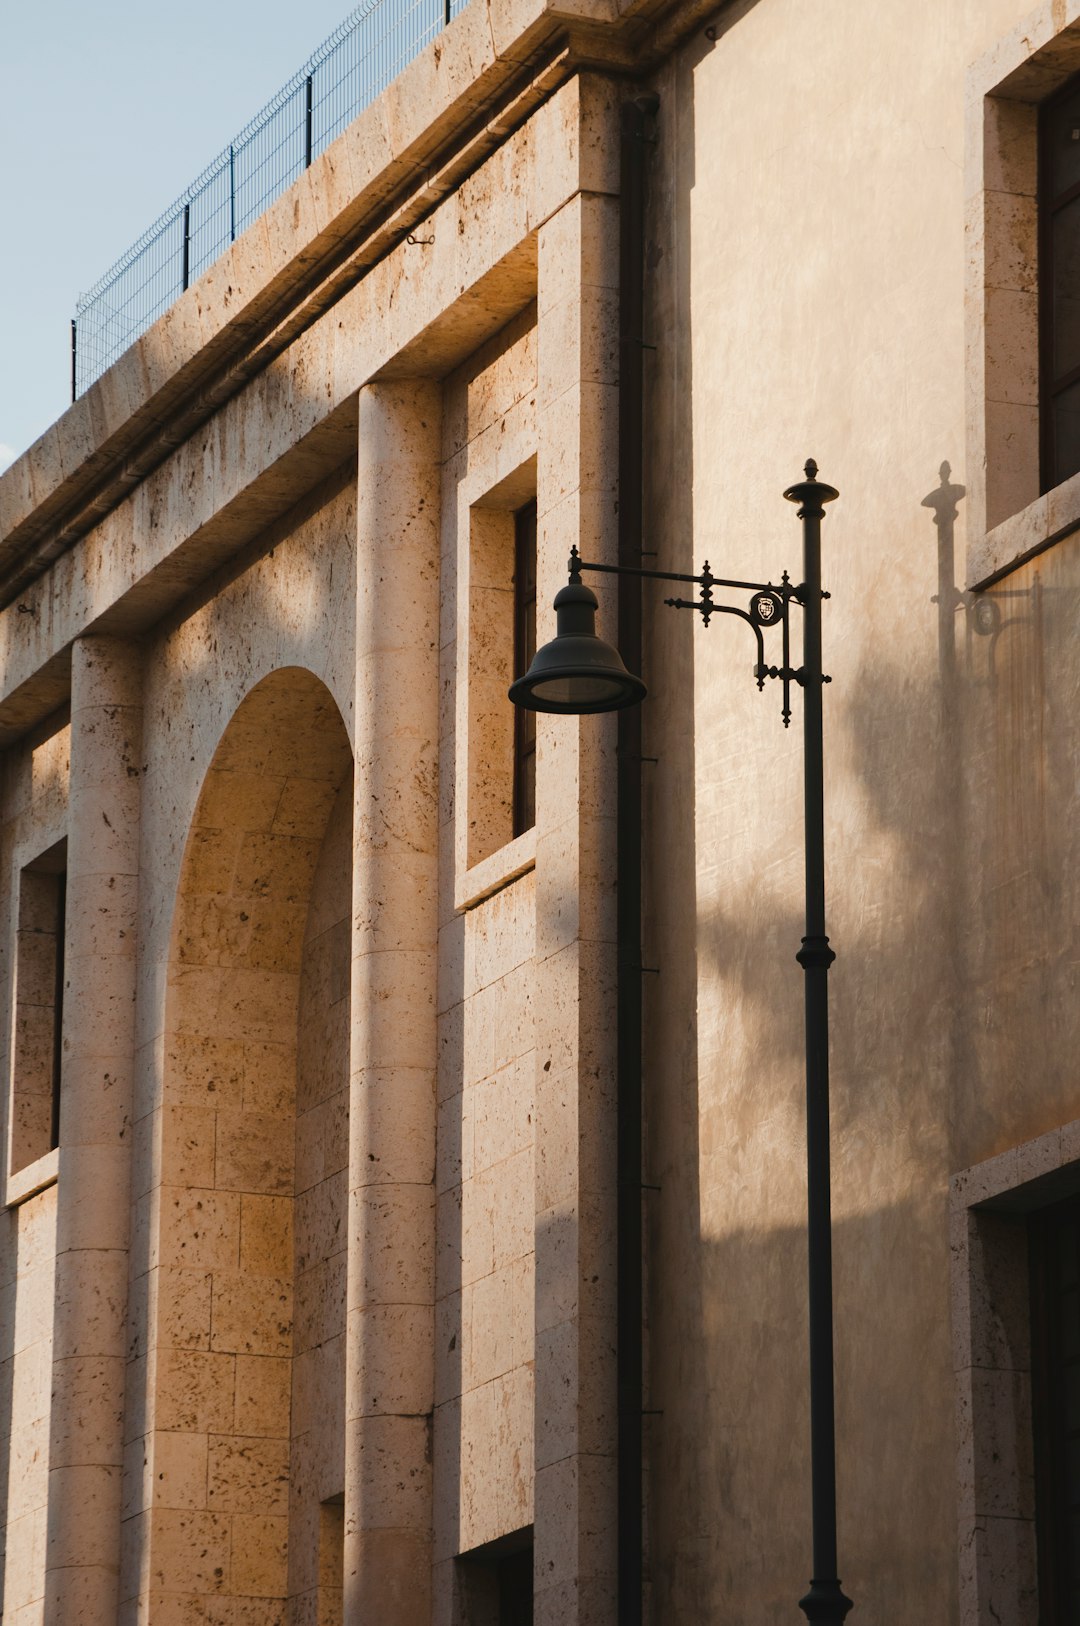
column 825, row 1601
column 578, row 672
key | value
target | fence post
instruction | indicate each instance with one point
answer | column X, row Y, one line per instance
column 186, row 266
column 307, row 127
column 74, row 351
column 232, row 193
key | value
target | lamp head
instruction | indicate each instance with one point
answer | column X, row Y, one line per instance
column 576, row 672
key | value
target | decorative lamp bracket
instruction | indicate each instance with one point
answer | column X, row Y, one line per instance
column 768, row 607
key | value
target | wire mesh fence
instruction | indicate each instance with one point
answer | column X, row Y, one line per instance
column 348, row 71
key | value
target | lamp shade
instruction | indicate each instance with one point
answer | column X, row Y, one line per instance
column 577, row 671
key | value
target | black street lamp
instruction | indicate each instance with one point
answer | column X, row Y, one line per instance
column 578, row 672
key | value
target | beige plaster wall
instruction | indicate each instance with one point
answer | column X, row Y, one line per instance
column 808, row 243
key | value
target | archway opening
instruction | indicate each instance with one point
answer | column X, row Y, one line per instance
column 244, row 1454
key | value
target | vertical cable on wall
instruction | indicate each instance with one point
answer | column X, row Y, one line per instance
column 634, row 146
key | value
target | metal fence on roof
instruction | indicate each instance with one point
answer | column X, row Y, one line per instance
column 347, row 72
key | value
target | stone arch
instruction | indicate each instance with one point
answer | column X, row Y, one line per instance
column 243, row 1462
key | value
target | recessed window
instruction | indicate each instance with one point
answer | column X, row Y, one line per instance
column 1016, row 1256
column 502, row 640
column 39, row 983
column 496, row 1582
column 329, row 1604
column 1059, row 283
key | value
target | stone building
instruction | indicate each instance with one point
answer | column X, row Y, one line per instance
column 334, row 1283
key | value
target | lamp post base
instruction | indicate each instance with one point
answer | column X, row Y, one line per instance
column 825, row 1603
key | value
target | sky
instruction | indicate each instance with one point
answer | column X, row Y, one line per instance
column 107, row 112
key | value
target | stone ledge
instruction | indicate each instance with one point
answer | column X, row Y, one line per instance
column 34, row 1178
column 508, row 864
column 1050, row 519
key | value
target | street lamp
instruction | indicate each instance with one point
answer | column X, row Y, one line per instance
column 578, row 672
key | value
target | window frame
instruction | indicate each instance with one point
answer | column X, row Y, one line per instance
column 1012, row 514
column 489, row 855
column 1048, row 207
column 524, row 804
column 994, row 1207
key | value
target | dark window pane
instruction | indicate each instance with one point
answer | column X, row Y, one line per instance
column 1066, row 420
column 1062, row 151
column 1071, row 1387
column 524, row 650
column 516, row 1589
column 528, row 789
column 1055, row 1373
column 1072, row 1469
column 58, row 1006
column 1065, row 253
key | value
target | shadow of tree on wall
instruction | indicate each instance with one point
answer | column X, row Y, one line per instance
column 955, row 1023
column 736, row 1421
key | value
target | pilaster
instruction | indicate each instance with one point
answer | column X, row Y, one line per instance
column 575, row 1519
column 391, row 1277
column 86, row 1445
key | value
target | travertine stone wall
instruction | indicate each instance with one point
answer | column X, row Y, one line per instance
column 484, row 1261
column 93, row 1202
column 484, row 1266
column 489, row 472
column 577, row 406
column 391, row 1280
column 34, row 829
column 34, row 820
column 39, row 957
column 294, row 423
column 26, row 1323
column 218, row 1284
column 317, row 1452
column 282, row 1210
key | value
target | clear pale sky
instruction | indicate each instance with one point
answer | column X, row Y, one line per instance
column 107, row 112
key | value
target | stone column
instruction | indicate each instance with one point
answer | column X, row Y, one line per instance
column 86, row 1443
column 389, row 1391
column 577, row 502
